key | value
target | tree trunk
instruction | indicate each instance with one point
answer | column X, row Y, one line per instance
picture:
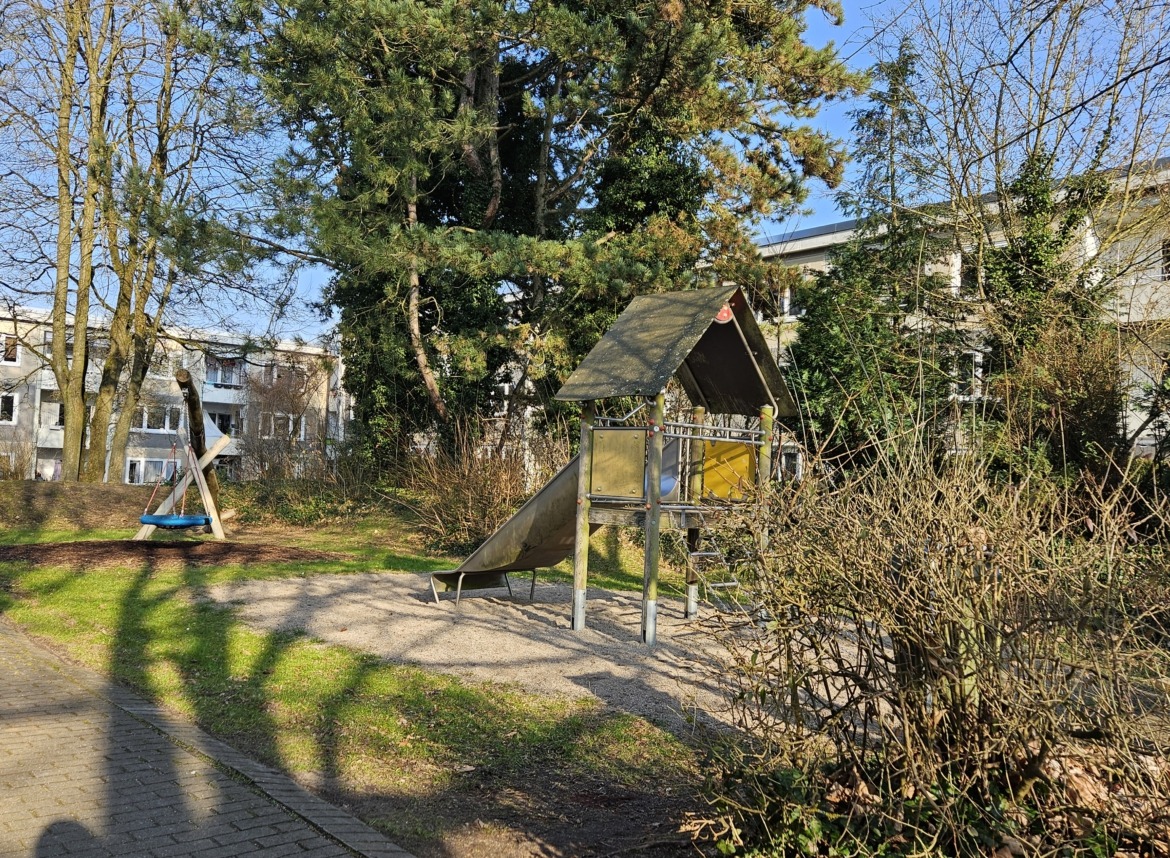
column 416, row 340
column 198, row 437
column 134, row 256
column 73, row 405
column 94, row 469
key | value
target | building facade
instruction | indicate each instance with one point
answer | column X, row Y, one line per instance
column 1130, row 248
column 282, row 404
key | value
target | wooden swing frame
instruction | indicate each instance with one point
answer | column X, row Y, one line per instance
column 194, row 473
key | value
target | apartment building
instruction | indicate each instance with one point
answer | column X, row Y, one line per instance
column 1137, row 260
column 282, row 404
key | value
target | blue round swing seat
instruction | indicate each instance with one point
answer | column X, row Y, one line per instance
column 176, row 522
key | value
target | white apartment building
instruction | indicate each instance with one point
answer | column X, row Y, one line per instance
column 282, row 404
column 1137, row 261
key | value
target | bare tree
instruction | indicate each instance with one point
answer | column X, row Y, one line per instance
column 1086, row 81
column 285, row 426
column 130, row 134
column 1078, row 92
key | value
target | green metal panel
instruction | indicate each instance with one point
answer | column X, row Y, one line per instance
column 619, row 463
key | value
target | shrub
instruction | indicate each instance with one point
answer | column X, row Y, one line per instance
column 293, row 501
column 937, row 663
column 462, row 493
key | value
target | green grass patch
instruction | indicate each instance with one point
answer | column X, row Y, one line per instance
column 616, row 559
column 34, row 535
column 413, row 752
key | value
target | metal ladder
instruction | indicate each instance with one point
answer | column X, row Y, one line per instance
column 711, row 573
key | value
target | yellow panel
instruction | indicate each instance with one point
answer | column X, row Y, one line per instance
column 728, row 469
column 619, row 463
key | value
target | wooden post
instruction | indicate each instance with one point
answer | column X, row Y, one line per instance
column 764, row 470
column 197, row 436
column 695, row 495
column 581, row 544
column 653, row 523
column 209, row 502
column 764, row 462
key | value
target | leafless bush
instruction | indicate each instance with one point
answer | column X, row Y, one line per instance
column 283, row 435
column 17, row 457
column 462, row 494
column 939, row 663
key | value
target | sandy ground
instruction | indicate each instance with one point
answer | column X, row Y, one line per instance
column 497, row 638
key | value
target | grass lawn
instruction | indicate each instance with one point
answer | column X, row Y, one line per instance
column 410, row 751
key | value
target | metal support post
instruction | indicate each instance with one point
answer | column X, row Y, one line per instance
column 581, row 543
column 653, row 523
column 767, row 424
column 764, row 471
column 695, row 494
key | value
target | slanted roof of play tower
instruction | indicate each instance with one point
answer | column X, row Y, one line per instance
column 723, row 365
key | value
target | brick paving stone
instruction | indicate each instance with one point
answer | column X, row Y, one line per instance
column 88, row 769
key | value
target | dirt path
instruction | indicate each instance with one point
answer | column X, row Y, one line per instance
column 491, row 636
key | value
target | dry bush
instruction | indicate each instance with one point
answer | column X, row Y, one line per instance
column 461, row 494
column 937, row 663
column 17, row 456
column 1064, row 397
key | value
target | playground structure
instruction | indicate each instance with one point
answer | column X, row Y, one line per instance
column 164, row 515
column 640, row 470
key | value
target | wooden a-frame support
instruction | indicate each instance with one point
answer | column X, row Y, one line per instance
column 193, row 474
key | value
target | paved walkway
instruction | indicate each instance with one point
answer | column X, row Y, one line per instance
column 87, row 768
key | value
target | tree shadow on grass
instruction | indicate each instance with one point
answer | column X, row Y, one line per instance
column 31, row 507
column 424, row 758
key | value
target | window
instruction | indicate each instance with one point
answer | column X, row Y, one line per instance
column 288, row 375
column 49, row 346
column 158, row 418
column 790, row 303
column 1166, row 260
column 293, row 376
column 224, row 421
column 791, row 462
column 284, row 426
column 223, row 372
column 52, row 410
column 9, row 403
column 970, row 278
column 969, row 375
column 147, row 471
column 11, row 352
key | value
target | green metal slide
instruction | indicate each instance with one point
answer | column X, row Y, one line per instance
column 540, row 534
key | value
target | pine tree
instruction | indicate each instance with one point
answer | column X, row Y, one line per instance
column 876, row 347
column 566, row 155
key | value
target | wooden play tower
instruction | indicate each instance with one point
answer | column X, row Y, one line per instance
column 640, row 470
